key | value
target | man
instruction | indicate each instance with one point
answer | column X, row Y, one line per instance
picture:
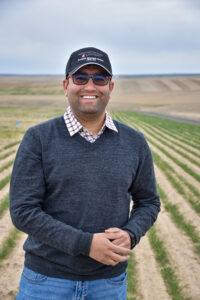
column 70, row 192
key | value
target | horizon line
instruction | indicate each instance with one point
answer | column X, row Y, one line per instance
column 114, row 75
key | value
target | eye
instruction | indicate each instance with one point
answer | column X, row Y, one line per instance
column 80, row 78
column 100, row 79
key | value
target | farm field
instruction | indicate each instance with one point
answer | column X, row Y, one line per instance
column 166, row 263
column 175, row 96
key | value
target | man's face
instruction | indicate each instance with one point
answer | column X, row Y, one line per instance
column 79, row 96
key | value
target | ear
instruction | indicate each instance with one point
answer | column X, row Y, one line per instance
column 111, row 86
column 65, row 84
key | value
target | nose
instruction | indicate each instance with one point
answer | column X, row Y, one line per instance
column 90, row 85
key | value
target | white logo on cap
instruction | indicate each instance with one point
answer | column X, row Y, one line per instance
column 91, row 58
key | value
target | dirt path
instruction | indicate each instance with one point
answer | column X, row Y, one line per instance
column 151, row 284
column 5, row 226
column 10, row 271
column 5, row 173
column 7, row 159
column 175, row 198
column 4, row 192
column 181, row 254
column 14, row 148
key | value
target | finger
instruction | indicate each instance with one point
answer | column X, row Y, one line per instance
column 118, row 242
column 121, row 250
column 124, row 245
column 113, row 235
column 122, row 238
column 119, row 258
column 113, row 229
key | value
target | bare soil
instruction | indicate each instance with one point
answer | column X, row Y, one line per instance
column 173, row 197
column 5, row 226
column 7, row 159
column 151, row 285
column 10, row 271
column 4, row 192
column 187, row 176
column 182, row 159
column 172, row 141
column 182, row 256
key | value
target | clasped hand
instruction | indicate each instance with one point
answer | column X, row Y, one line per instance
column 110, row 247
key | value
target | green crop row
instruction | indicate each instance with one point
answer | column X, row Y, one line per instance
column 9, row 145
column 9, row 244
column 4, row 204
column 170, row 278
column 6, row 166
column 173, row 158
column 187, row 133
column 180, row 221
column 165, row 137
column 132, row 281
column 164, row 142
column 6, row 154
column 4, row 181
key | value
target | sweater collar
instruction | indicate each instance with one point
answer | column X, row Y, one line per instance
column 74, row 126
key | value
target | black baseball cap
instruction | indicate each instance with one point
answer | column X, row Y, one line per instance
column 87, row 56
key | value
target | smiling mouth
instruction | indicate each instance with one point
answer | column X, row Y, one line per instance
column 89, row 97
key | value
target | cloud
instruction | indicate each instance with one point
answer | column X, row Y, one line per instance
column 40, row 35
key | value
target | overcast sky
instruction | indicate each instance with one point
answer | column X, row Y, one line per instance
column 140, row 36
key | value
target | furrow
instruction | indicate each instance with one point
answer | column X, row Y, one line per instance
column 171, row 151
column 4, row 192
column 176, row 144
column 5, row 153
column 151, row 284
column 178, row 169
column 190, row 138
column 184, row 142
column 5, row 226
column 176, row 198
column 5, row 173
column 193, row 139
column 8, row 147
column 181, row 255
column 10, row 270
column 7, row 160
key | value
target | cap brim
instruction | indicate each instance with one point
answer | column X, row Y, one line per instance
column 89, row 63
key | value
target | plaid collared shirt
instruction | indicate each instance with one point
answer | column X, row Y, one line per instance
column 74, row 126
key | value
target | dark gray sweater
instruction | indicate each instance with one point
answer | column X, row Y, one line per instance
column 63, row 189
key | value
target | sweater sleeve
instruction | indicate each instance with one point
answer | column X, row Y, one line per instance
column 146, row 202
column 27, row 192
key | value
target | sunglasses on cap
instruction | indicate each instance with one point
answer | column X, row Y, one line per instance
column 98, row 79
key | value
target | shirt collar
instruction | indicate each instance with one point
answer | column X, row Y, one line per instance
column 74, row 126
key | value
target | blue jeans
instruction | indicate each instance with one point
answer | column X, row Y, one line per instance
column 34, row 286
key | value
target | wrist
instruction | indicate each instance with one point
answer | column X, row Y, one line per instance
column 132, row 239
